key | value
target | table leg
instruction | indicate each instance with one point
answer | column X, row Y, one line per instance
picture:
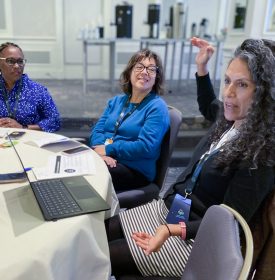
column 85, row 67
column 189, row 63
column 181, row 63
column 112, row 64
column 172, row 62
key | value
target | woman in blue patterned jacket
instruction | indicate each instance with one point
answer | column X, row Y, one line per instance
column 23, row 102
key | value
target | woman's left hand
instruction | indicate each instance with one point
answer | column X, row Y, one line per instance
column 9, row 122
column 100, row 149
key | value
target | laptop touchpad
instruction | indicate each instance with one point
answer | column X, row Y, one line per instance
column 82, row 192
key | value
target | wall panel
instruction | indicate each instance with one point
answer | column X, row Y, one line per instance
column 33, row 18
column 2, row 15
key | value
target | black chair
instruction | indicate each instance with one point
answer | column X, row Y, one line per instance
column 138, row 196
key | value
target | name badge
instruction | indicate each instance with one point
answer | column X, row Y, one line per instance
column 108, row 141
column 179, row 210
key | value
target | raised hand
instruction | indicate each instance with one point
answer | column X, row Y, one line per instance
column 205, row 53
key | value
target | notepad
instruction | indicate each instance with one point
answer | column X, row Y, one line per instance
column 53, row 139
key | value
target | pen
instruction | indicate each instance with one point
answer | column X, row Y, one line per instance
column 57, row 164
column 28, row 168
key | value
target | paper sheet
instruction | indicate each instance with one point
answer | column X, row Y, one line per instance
column 64, row 166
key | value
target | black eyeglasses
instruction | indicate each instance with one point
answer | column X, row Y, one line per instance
column 12, row 61
column 151, row 70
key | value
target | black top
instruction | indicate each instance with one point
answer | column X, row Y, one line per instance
column 243, row 189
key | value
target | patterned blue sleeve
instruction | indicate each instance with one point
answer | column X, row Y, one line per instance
column 35, row 106
column 49, row 115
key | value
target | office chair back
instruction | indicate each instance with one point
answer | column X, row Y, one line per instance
column 216, row 253
column 138, row 196
column 168, row 144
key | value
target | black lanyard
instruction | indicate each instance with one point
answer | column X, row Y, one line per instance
column 122, row 117
column 12, row 113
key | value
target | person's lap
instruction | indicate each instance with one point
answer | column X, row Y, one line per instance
column 125, row 178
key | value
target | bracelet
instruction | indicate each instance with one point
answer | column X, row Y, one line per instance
column 183, row 230
column 168, row 229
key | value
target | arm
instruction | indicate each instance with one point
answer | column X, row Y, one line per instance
column 152, row 243
column 208, row 103
column 99, row 132
column 48, row 113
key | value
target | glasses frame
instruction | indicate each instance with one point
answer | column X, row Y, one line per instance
column 16, row 61
column 148, row 71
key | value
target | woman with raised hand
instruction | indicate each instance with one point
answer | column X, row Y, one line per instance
column 233, row 164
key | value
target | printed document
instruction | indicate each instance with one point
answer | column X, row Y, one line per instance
column 60, row 166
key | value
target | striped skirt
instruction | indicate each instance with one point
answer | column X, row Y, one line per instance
column 170, row 260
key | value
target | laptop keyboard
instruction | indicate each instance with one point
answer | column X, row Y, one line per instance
column 54, row 199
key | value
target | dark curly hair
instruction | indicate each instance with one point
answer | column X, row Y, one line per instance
column 255, row 143
column 125, row 82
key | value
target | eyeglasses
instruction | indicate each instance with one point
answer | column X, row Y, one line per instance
column 151, row 70
column 12, row 61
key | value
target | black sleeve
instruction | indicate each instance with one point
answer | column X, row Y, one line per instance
column 245, row 193
column 209, row 105
column 247, row 190
column 192, row 229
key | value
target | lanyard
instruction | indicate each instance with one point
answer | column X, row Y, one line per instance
column 226, row 136
column 122, row 117
column 197, row 171
column 11, row 113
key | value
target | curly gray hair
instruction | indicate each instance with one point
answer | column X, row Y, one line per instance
column 256, row 141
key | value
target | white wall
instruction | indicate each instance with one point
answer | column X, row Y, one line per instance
column 48, row 30
column 256, row 26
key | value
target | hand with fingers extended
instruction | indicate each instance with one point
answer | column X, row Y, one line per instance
column 151, row 243
column 206, row 51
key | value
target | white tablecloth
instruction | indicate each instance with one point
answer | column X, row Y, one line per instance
column 31, row 249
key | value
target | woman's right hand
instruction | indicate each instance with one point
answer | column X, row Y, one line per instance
column 205, row 53
column 149, row 243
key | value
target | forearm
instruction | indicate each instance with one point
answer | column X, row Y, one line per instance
column 173, row 230
column 48, row 124
column 33, row 127
column 207, row 101
column 202, row 69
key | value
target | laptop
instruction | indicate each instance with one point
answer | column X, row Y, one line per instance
column 64, row 197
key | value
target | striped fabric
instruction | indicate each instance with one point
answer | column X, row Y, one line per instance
column 173, row 255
